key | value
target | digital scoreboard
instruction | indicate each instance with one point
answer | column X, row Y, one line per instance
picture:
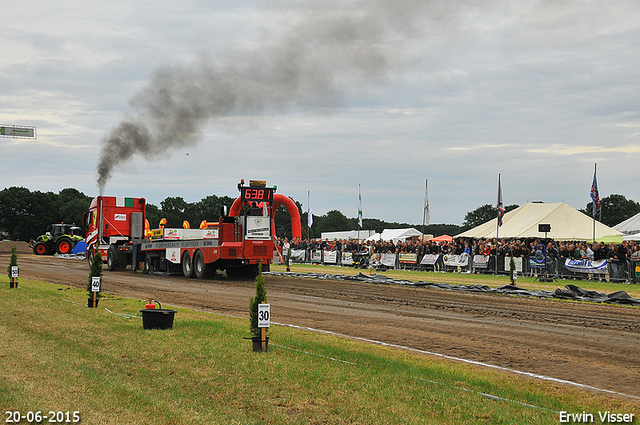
column 256, row 194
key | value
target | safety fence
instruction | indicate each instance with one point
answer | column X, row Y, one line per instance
column 564, row 268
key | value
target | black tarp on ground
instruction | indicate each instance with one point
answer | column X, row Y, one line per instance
column 571, row 292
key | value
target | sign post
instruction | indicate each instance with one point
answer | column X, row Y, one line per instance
column 264, row 321
column 14, row 277
column 95, row 288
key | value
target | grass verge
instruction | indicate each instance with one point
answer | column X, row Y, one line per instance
column 58, row 355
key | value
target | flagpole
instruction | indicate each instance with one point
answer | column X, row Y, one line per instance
column 359, row 210
column 499, row 206
column 425, row 210
column 595, row 166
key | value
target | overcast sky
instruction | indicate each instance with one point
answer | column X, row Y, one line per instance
column 185, row 98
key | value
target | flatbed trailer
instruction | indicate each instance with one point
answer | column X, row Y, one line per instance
column 234, row 244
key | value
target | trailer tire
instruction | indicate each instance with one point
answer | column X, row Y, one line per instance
column 116, row 259
column 201, row 269
column 187, row 265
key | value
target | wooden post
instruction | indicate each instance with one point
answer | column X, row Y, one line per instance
column 95, row 299
column 263, row 335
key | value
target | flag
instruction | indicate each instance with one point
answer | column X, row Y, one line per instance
column 359, row 207
column 427, row 216
column 500, row 206
column 309, row 215
column 595, row 197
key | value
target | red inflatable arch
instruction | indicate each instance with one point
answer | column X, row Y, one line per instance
column 278, row 199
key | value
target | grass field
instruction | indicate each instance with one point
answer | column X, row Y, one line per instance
column 58, row 355
column 468, row 279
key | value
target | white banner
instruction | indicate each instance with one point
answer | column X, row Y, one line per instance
column 258, row 227
column 347, row 258
column 297, row 255
column 316, row 256
column 388, row 259
column 480, row 261
column 587, row 266
column 516, row 260
column 330, row 257
column 453, row 260
column 408, row 258
column 429, row 259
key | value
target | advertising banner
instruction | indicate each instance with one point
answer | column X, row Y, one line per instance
column 347, row 259
column 587, row 266
column 330, row 257
column 297, row 255
column 429, row 259
column 480, row 261
column 408, row 258
column 453, row 260
column 516, row 260
column 388, row 259
column 316, row 257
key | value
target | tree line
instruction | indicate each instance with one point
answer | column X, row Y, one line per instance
column 25, row 214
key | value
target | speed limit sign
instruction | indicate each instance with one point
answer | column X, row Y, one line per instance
column 264, row 315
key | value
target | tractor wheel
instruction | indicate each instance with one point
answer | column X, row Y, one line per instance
column 201, row 269
column 187, row 265
column 64, row 246
column 41, row 248
column 90, row 256
column 116, row 259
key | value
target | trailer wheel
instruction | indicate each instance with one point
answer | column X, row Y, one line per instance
column 116, row 259
column 187, row 265
column 201, row 269
column 41, row 248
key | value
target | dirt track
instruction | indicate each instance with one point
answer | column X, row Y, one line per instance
column 595, row 345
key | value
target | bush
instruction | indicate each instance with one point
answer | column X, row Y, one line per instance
column 259, row 298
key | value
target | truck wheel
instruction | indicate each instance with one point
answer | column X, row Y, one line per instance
column 147, row 265
column 234, row 272
column 251, row 271
column 201, row 269
column 90, row 256
column 64, row 246
column 187, row 265
column 116, row 259
column 41, row 248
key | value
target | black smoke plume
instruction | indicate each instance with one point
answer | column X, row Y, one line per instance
column 319, row 59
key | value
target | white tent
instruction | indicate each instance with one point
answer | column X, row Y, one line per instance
column 395, row 235
column 630, row 225
column 567, row 224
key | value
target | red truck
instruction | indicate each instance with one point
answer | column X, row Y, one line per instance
column 236, row 243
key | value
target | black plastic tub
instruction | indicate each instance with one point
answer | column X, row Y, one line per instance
column 157, row 318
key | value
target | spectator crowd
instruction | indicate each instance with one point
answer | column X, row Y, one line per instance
column 620, row 257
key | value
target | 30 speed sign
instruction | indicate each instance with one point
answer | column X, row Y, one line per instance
column 264, row 315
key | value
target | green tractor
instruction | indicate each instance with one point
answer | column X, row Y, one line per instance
column 59, row 238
